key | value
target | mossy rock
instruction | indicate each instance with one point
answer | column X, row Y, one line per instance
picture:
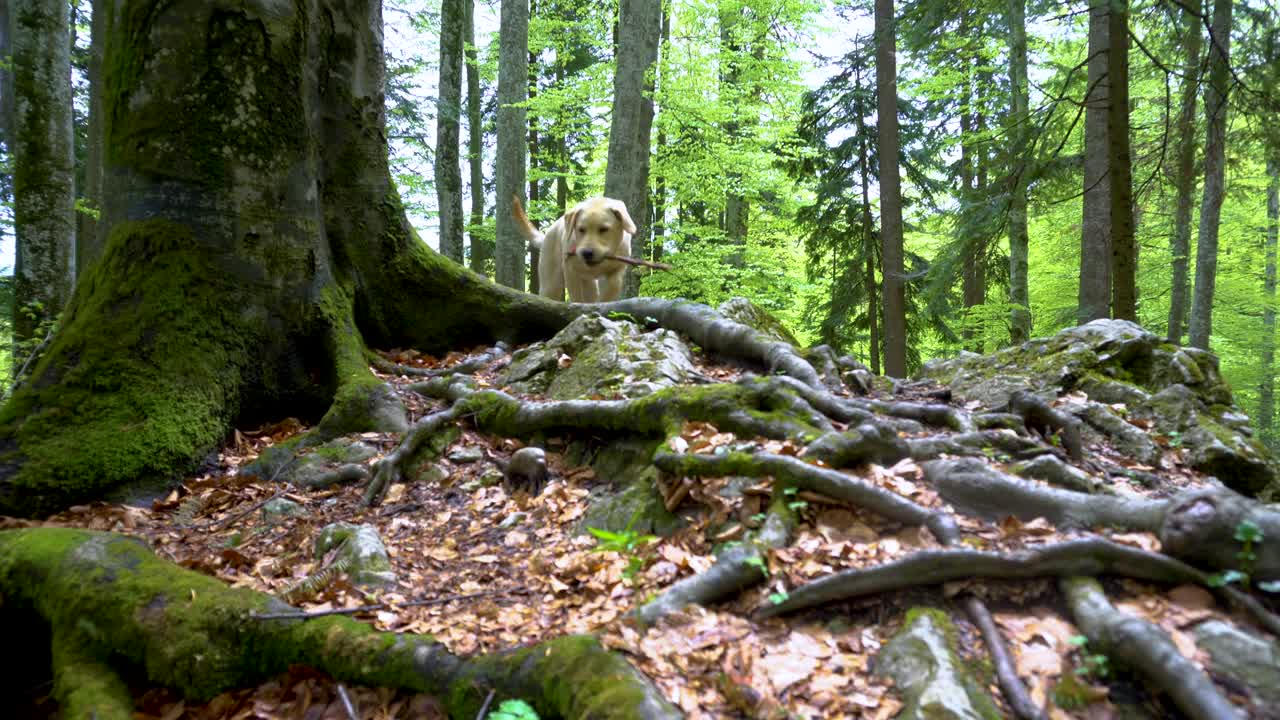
column 740, row 309
column 594, row 356
column 928, row 672
column 627, row 495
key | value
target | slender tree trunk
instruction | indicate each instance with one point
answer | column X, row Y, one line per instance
column 6, row 79
column 535, row 159
column 627, row 178
column 1267, row 388
column 969, row 260
column 481, row 247
column 1124, row 260
column 513, row 84
column 1180, row 243
column 1095, row 239
column 869, row 252
column 891, row 254
column 88, row 239
column 660, row 183
column 562, row 149
column 448, row 172
column 734, row 219
column 44, row 165
column 1215, row 152
column 1019, row 119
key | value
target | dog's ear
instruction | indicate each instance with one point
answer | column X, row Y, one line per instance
column 620, row 209
column 571, row 217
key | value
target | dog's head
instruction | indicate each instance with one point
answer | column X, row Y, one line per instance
column 596, row 228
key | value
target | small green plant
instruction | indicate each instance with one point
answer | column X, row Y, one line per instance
column 626, row 542
column 1248, row 534
column 757, row 561
column 1095, row 664
column 792, row 504
column 513, row 710
column 1175, row 439
column 779, row 597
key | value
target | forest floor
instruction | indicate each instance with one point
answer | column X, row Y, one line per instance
column 479, row 585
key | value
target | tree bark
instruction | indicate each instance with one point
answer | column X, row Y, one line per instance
column 627, row 178
column 1215, row 153
column 1185, row 182
column 660, row 182
column 891, row 254
column 43, row 163
column 255, row 243
column 481, row 246
column 1095, row 239
column 448, row 172
column 513, row 85
column 88, row 240
column 1124, row 260
column 734, row 221
column 969, row 295
column 1267, row 388
column 1019, row 292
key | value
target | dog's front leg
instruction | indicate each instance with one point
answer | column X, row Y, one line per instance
column 581, row 289
column 611, row 286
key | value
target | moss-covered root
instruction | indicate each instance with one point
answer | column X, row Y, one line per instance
column 194, row 634
column 737, row 568
column 1140, row 645
column 1092, row 556
column 757, row 407
column 975, row 488
column 84, row 686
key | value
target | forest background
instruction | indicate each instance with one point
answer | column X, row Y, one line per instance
column 764, row 160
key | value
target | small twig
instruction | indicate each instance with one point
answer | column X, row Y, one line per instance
column 346, row 702
column 485, row 707
column 632, row 261
column 307, row 615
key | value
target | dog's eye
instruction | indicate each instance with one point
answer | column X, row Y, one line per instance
column 582, row 230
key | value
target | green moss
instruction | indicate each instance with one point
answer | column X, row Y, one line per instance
column 142, row 380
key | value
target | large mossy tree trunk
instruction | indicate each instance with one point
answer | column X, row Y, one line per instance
column 255, row 243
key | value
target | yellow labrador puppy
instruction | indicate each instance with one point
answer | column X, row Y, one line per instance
column 575, row 247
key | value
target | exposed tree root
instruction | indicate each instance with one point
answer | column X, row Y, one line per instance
column 1146, row 648
column 736, row 569
column 1011, row 685
column 469, row 366
column 1039, row 417
column 1090, row 556
column 109, row 599
column 976, row 488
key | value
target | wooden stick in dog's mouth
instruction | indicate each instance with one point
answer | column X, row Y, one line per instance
column 632, row 261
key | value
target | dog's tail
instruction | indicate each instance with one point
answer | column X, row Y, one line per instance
column 530, row 233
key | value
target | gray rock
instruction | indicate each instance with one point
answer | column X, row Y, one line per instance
column 359, row 548
column 595, row 356
column 339, row 460
column 281, row 508
column 466, row 455
column 748, row 313
column 1251, row 660
column 514, row 519
column 928, row 673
